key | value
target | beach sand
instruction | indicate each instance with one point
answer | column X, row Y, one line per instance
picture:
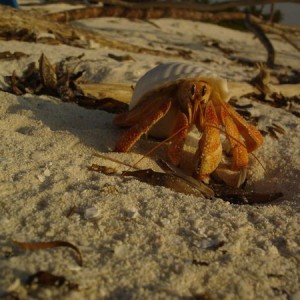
column 140, row 241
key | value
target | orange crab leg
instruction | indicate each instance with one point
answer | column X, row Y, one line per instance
column 239, row 150
column 252, row 136
column 145, row 122
column 176, row 146
column 138, row 113
column 209, row 152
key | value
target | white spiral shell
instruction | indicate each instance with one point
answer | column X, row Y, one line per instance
column 168, row 74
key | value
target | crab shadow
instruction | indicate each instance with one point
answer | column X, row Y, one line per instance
column 283, row 180
column 94, row 128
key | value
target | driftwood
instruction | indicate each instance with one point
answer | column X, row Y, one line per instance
column 120, row 92
column 237, row 90
column 213, row 7
column 32, row 27
column 133, row 10
column 35, row 28
column 192, row 11
column 215, row 12
column 258, row 31
column 121, row 11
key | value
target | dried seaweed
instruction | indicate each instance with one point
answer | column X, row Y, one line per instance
column 240, row 196
column 278, row 128
column 44, row 278
column 103, row 169
column 50, row 245
column 277, row 100
column 168, row 180
column 57, row 80
column 47, row 73
column 176, row 180
column 120, row 57
column 186, row 54
column 7, row 55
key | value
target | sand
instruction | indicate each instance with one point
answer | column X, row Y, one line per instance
column 140, row 241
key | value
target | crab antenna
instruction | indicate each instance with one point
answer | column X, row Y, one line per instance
column 156, row 147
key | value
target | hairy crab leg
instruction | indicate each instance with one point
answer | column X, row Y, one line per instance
column 177, row 143
column 209, row 152
column 239, row 150
column 139, row 112
column 252, row 137
column 134, row 133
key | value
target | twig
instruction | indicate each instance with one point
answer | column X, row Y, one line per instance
column 213, row 7
column 258, row 31
column 27, row 27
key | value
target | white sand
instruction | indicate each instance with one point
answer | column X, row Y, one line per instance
column 145, row 242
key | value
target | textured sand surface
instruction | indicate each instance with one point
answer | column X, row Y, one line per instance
column 140, row 241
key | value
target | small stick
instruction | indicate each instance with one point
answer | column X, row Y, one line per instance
column 259, row 32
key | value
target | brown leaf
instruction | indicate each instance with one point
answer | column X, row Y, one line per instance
column 175, row 183
column 7, row 55
column 120, row 57
column 278, row 128
column 49, row 245
column 272, row 132
column 15, row 86
column 48, row 279
column 107, row 104
column 187, row 54
column 103, row 169
column 240, row 196
column 47, row 73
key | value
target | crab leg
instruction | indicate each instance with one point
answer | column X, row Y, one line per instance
column 209, row 152
column 239, row 150
column 180, row 132
column 138, row 113
column 252, row 136
column 145, row 122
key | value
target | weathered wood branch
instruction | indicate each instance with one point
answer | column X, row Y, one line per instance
column 32, row 27
column 258, row 31
column 142, row 13
column 168, row 10
column 213, row 7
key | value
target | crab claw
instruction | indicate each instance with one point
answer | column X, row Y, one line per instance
column 230, row 177
column 209, row 152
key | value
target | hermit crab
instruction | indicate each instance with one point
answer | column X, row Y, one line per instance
column 173, row 97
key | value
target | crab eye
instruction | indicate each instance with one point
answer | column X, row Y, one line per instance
column 203, row 90
column 193, row 90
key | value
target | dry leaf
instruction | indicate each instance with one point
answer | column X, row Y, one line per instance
column 171, row 181
column 49, row 245
column 103, row 169
column 47, row 72
column 240, row 196
column 7, row 55
column 278, row 128
column 48, row 279
column 120, row 57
